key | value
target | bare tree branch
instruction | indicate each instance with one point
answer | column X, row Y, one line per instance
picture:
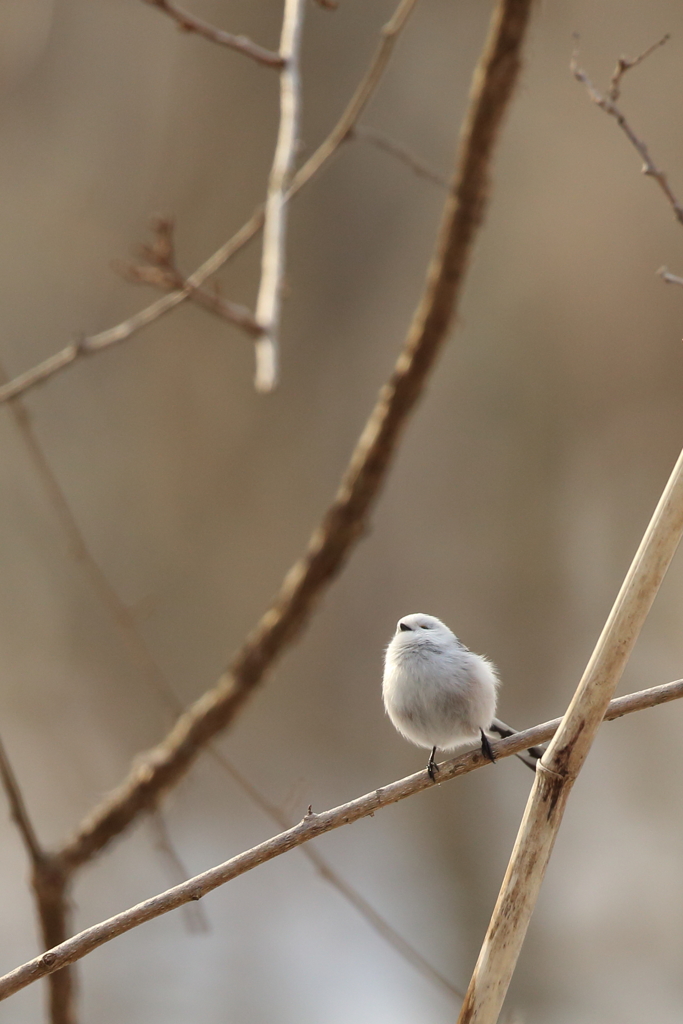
column 94, row 343
column 17, row 807
column 564, row 758
column 197, row 921
column 160, row 271
column 324, row 868
column 625, row 64
column 669, row 277
column 190, row 23
column 48, row 883
column 269, row 299
column 311, row 826
column 395, row 149
column 607, row 103
column 127, row 626
column 346, row 519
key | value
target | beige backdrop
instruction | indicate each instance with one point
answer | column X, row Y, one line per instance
column 519, row 496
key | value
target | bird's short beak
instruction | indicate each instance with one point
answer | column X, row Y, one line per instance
column 405, row 628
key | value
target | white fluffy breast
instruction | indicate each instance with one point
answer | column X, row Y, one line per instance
column 436, row 692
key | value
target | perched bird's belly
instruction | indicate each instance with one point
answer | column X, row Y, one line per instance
column 437, row 712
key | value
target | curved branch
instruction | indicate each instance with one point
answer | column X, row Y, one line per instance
column 310, row 827
column 346, row 519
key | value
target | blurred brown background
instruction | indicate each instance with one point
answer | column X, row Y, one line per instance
column 518, row 498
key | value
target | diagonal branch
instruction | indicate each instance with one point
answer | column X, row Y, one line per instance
column 190, row 23
column 564, row 758
column 607, row 102
column 18, row 809
column 127, row 626
column 326, row 871
column 346, row 519
column 93, row 343
column 159, row 270
column 312, row 826
column 269, row 299
column 417, row 166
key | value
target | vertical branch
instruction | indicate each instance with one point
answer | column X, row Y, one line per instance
column 274, row 231
column 49, row 882
column 565, row 756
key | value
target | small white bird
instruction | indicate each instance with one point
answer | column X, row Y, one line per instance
column 436, row 691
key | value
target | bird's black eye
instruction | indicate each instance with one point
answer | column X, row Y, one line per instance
column 404, row 627
column 424, row 627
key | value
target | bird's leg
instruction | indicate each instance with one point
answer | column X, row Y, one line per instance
column 432, row 766
column 486, row 748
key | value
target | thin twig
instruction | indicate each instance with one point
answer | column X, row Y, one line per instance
column 118, row 611
column 127, row 328
column 607, row 102
column 190, row 23
column 325, row 869
column 17, row 806
column 625, row 64
column 127, row 625
column 564, row 758
column 269, row 301
column 395, row 149
column 48, row 883
column 346, row 519
column 312, row 826
column 160, row 271
column 669, row 277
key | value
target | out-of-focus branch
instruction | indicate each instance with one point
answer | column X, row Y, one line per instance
column 400, row 153
column 118, row 611
column 153, row 674
column 269, row 301
column 17, row 807
column 325, row 869
column 607, row 102
column 48, row 883
column 310, row 827
column 125, row 622
column 564, row 758
column 160, row 271
column 346, row 519
column 93, row 343
column 625, row 64
column 190, row 23
column 669, row 277
column 196, row 919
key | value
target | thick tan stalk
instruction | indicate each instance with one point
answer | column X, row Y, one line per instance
column 565, row 756
column 313, row 825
